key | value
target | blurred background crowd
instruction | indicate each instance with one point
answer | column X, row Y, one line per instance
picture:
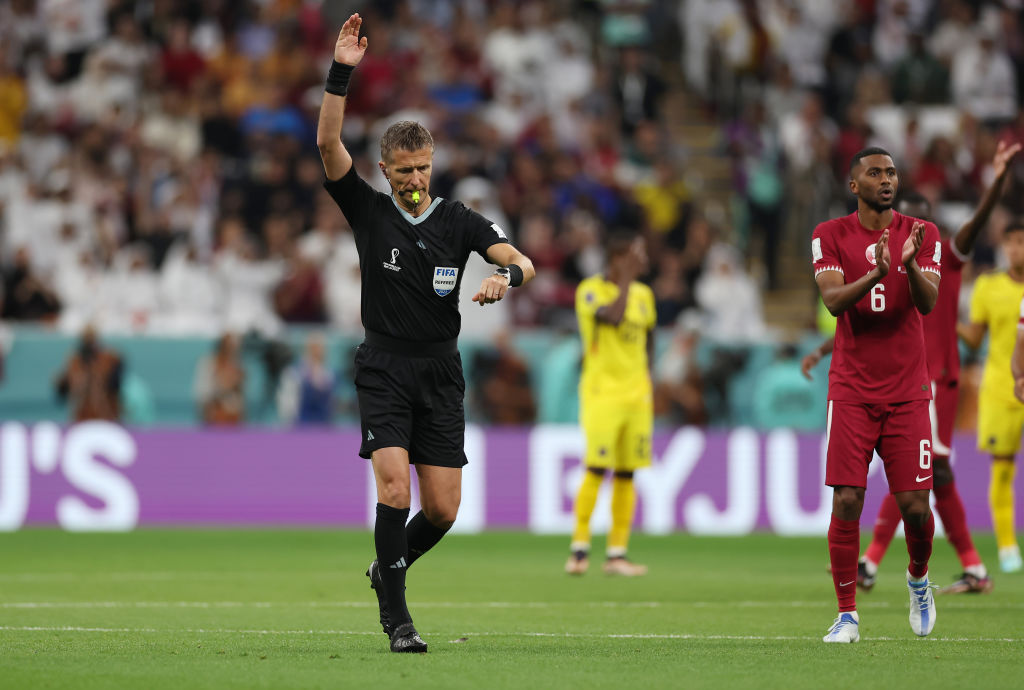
column 160, row 185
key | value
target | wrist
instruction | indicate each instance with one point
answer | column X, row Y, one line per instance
column 504, row 273
column 515, row 275
column 337, row 78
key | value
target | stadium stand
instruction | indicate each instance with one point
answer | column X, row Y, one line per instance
column 158, row 174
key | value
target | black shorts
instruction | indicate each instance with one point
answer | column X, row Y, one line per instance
column 412, row 402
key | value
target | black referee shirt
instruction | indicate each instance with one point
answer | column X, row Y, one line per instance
column 411, row 267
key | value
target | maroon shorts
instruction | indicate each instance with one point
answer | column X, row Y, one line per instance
column 945, row 394
column 900, row 432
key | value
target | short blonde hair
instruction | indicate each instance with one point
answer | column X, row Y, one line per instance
column 405, row 136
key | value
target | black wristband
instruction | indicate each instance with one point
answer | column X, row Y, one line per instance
column 515, row 275
column 337, row 78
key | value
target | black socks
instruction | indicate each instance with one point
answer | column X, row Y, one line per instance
column 421, row 536
column 398, row 546
column 390, row 539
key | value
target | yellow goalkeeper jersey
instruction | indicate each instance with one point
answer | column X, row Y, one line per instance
column 995, row 302
column 615, row 357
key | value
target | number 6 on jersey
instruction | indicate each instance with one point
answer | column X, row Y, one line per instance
column 878, row 298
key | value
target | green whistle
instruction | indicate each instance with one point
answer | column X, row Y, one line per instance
column 415, row 197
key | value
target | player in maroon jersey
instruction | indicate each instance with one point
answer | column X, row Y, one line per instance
column 878, row 272
column 944, row 369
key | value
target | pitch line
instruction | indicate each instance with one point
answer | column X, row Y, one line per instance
column 823, row 604
column 466, row 636
column 318, row 604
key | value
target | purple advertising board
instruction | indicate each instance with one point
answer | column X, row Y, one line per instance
column 99, row 476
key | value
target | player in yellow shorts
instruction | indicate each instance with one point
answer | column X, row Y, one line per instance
column 616, row 318
column 995, row 307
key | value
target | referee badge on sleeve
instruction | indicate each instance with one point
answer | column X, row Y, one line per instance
column 445, row 278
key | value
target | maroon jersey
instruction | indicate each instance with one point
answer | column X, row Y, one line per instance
column 940, row 337
column 879, row 354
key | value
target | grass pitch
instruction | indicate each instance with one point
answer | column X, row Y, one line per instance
column 292, row 609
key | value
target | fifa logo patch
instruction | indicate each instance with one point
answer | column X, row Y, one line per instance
column 445, row 278
column 394, row 257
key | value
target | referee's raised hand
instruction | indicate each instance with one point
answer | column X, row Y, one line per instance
column 491, row 290
column 349, row 49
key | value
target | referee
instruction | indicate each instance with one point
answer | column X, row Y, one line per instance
column 408, row 373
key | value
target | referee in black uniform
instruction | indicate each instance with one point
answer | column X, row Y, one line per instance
column 408, row 373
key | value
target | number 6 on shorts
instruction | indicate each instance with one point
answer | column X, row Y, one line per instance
column 926, row 454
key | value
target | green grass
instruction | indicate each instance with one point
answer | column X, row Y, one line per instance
column 292, row 609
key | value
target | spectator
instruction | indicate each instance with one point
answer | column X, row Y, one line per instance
column 984, row 80
column 502, row 388
column 188, row 294
column 246, row 281
column 13, row 102
column 306, row 394
column 220, row 384
column 638, row 89
column 729, row 299
column 804, row 137
column 180, row 63
column 678, row 387
column 28, row 296
column 953, row 32
column 91, row 380
column 919, row 77
column 757, row 175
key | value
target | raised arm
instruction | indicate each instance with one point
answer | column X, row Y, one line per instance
column 631, row 268
column 968, row 233
column 520, row 271
column 348, row 51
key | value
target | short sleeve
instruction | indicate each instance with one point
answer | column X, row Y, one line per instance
column 587, row 301
column 482, row 233
column 929, row 257
column 355, row 198
column 824, row 252
column 979, row 301
column 951, row 256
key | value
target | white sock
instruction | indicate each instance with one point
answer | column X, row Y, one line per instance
column 913, row 581
column 979, row 571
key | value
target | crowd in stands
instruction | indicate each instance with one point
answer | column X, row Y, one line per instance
column 159, row 173
column 804, row 85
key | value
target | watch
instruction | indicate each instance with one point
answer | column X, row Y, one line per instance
column 504, row 273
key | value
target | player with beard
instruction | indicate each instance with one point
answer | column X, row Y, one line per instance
column 878, row 272
column 944, row 370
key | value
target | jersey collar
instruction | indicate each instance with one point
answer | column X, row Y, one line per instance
column 420, row 218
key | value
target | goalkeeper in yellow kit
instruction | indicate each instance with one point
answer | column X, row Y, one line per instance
column 616, row 318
